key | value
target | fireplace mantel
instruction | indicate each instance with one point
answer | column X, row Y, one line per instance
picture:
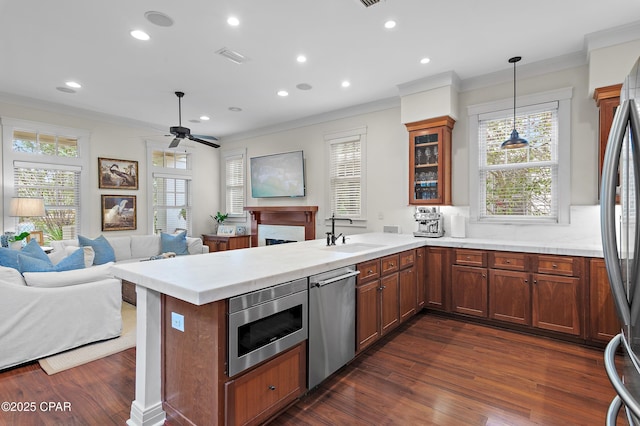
column 283, row 215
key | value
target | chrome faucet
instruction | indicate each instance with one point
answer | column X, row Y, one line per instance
column 331, row 237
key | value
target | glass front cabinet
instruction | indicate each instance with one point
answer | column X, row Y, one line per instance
column 430, row 161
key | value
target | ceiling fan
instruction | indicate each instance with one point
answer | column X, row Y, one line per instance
column 182, row 132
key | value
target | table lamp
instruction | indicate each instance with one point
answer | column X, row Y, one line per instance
column 22, row 207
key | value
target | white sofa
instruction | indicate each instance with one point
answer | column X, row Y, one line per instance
column 44, row 313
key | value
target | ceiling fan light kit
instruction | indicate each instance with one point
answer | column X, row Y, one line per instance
column 183, row 132
column 515, row 141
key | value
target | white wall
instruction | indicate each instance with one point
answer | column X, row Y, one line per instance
column 121, row 141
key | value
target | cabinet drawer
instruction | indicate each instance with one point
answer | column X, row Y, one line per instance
column 407, row 258
column 511, row 261
column 556, row 265
column 471, row 257
column 390, row 264
column 257, row 395
column 369, row 271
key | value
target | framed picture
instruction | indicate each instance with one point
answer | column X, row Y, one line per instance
column 117, row 174
column 38, row 236
column 227, row 230
column 118, row 212
column 241, row 230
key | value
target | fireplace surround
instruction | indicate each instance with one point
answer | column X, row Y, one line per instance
column 283, row 215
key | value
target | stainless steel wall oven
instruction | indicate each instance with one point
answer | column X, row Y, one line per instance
column 266, row 322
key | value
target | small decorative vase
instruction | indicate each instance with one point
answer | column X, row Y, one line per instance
column 16, row 245
column 214, row 228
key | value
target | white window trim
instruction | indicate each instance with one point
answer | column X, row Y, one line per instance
column 154, row 171
column 10, row 157
column 356, row 133
column 563, row 97
column 240, row 152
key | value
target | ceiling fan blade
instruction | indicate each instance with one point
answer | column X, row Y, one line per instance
column 202, row 141
column 174, row 143
column 213, row 138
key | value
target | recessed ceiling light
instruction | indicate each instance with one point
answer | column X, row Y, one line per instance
column 205, row 118
column 425, row 60
column 140, row 35
column 346, row 83
column 233, row 21
column 304, row 86
column 73, row 84
column 65, row 89
column 158, row 18
column 301, row 58
column 235, row 109
column 390, row 24
column 283, row 93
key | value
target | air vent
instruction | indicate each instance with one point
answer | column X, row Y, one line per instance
column 368, row 3
column 232, row 55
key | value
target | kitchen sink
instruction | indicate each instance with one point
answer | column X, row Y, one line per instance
column 353, row 248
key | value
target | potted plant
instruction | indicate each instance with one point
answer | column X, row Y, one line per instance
column 218, row 219
column 17, row 240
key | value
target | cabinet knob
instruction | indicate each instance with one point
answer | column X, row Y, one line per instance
column 526, row 281
column 535, row 281
column 468, row 257
column 554, row 266
column 271, row 387
column 391, row 264
column 370, row 271
column 484, row 275
column 508, row 261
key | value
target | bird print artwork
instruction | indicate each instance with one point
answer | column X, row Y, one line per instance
column 118, row 174
column 118, row 212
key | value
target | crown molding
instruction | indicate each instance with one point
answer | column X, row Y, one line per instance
column 448, row 78
column 612, row 36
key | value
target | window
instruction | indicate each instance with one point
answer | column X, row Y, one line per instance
column 346, row 155
column 528, row 184
column 49, row 162
column 234, row 178
column 170, row 189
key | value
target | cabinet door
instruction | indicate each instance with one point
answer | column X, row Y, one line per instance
column 421, row 278
column 509, row 296
column 239, row 242
column 469, row 290
column 255, row 396
column 435, row 279
column 556, row 303
column 604, row 318
column 407, row 294
column 389, row 304
column 367, row 314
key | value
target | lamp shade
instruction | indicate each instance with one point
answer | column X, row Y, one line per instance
column 27, row 207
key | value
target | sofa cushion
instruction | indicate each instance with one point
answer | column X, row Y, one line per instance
column 103, row 251
column 34, row 250
column 11, row 276
column 145, row 246
column 121, row 247
column 30, row 264
column 174, row 243
column 9, row 257
column 68, row 278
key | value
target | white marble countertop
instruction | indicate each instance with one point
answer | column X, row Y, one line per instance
column 201, row 279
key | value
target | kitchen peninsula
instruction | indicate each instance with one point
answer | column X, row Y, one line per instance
column 191, row 283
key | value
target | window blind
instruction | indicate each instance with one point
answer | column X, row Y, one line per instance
column 172, row 209
column 519, row 183
column 60, row 188
column 234, row 178
column 345, row 160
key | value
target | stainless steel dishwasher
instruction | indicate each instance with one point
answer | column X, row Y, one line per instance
column 332, row 322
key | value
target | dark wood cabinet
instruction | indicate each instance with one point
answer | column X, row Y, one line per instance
column 509, row 296
column 469, row 283
column 421, row 278
column 408, row 287
column 389, row 304
column 430, row 161
column 604, row 322
column 607, row 100
column 223, row 243
column 367, row 314
column 435, row 280
column 556, row 303
column 259, row 394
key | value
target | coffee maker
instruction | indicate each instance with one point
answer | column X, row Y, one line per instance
column 430, row 222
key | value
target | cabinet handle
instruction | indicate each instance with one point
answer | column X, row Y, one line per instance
column 271, row 387
column 554, row 266
column 484, row 276
column 468, row 257
column 526, row 281
column 369, row 272
column 508, row 261
column 535, row 281
column 391, row 264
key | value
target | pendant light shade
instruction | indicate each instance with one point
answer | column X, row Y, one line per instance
column 515, row 141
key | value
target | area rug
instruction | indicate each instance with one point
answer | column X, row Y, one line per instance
column 87, row 353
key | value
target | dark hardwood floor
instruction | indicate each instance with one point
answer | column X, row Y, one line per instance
column 435, row 371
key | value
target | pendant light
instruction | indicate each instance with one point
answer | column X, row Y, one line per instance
column 515, row 141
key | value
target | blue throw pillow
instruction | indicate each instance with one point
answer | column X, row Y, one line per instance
column 34, row 250
column 9, row 257
column 175, row 243
column 29, row 264
column 103, row 250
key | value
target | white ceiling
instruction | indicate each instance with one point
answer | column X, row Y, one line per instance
column 45, row 43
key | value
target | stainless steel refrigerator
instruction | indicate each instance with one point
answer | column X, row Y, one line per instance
column 621, row 246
